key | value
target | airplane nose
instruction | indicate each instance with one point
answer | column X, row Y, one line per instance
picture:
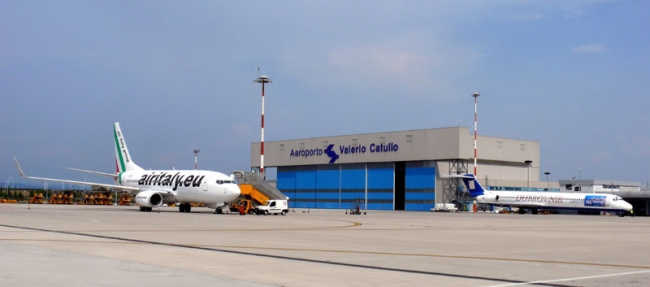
column 233, row 190
column 627, row 206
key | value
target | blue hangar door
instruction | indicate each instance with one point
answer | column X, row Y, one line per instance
column 384, row 186
column 419, row 185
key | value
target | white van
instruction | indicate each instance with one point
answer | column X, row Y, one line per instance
column 273, row 206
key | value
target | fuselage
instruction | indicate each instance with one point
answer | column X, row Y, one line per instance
column 200, row 186
column 555, row 200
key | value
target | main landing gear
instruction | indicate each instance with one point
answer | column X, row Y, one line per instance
column 532, row 210
column 184, row 207
column 145, row 209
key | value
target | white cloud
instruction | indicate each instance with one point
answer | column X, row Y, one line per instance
column 576, row 8
column 644, row 144
column 408, row 63
column 379, row 62
column 529, row 17
column 633, row 145
column 601, row 156
column 589, row 48
column 639, row 145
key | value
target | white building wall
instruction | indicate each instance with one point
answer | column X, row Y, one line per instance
column 498, row 157
column 504, row 158
column 507, row 172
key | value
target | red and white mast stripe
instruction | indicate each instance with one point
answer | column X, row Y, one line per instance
column 262, row 141
column 475, row 95
column 263, row 80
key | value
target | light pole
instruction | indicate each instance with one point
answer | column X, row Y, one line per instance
column 528, row 162
column 572, row 187
column 547, row 185
column 196, row 159
column 579, row 175
column 475, row 96
column 579, row 179
column 7, row 184
column 262, row 79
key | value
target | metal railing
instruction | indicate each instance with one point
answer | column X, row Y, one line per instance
column 257, row 181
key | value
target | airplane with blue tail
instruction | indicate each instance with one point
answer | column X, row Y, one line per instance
column 534, row 201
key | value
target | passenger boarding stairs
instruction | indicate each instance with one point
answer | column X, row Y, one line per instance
column 253, row 186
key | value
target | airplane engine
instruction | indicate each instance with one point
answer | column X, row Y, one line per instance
column 149, row 198
column 487, row 198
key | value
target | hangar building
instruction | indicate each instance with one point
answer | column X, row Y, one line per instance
column 403, row 170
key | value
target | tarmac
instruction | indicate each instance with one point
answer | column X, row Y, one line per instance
column 77, row 245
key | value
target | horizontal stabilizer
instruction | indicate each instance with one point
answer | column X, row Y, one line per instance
column 461, row 176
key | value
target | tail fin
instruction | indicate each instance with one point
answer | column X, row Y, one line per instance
column 473, row 186
column 123, row 161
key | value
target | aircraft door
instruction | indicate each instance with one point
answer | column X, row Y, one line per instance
column 205, row 185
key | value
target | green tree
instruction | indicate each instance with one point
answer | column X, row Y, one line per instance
column 20, row 196
column 78, row 195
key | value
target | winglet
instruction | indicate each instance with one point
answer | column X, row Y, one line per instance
column 20, row 170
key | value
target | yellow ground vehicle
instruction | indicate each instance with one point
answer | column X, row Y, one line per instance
column 246, row 204
column 255, row 191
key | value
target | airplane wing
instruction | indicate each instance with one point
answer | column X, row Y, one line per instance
column 531, row 205
column 108, row 186
column 94, row 172
column 524, row 205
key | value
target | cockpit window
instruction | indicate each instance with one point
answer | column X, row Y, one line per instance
column 219, row 181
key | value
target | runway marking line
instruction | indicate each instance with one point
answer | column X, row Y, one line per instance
column 350, row 224
column 570, row 279
column 219, row 247
column 198, row 247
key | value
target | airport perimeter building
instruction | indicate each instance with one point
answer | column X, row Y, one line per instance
column 404, row 170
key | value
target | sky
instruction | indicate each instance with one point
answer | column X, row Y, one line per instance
column 178, row 76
